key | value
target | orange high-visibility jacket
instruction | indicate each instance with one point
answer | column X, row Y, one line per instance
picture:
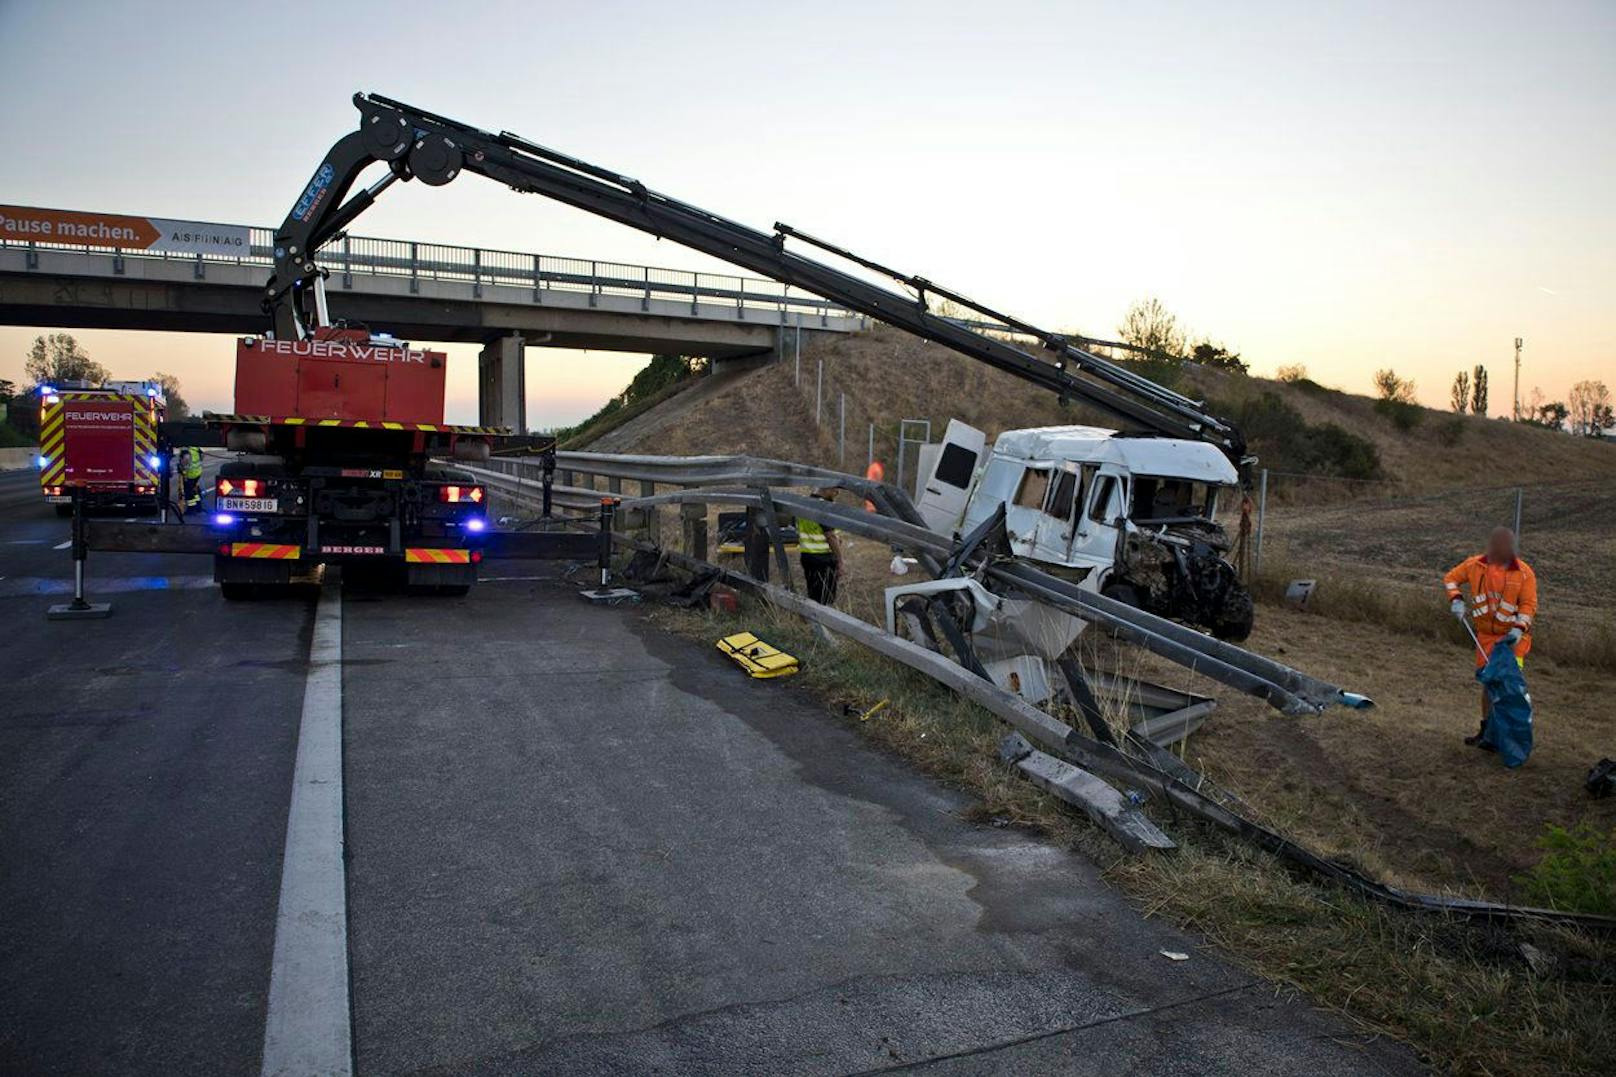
column 1502, row 597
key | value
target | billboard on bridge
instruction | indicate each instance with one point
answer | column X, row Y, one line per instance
column 25, row 224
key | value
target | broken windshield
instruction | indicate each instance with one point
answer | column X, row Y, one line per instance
column 1164, row 499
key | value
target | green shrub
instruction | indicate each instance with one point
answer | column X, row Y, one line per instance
column 1577, row 872
column 1403, row 415
column 1286, row 441
column 1451, row 432
column 12, row 438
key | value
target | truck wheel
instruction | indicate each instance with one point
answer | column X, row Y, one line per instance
column 63, row 510
column 1236, row 618
column 1126, row 593
column 237, row 592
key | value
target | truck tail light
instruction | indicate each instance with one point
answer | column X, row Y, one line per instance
column 241, row 487
column 462, row 495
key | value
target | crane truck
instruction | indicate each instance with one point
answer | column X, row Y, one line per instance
column 1171, row 565
column 339, row 436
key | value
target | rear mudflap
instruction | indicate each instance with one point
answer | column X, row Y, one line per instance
column 439, row 575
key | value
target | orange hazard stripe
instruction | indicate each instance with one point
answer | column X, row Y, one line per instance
column 438, row 557
column 275, row 551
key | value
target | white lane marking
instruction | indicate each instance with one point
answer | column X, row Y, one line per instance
column 26, row 542
column 307, row 1029
column 62, row 545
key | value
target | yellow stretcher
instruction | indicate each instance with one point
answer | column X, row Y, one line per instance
column 759, row 659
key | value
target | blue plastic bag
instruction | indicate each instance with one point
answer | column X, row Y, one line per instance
column 1509, row 727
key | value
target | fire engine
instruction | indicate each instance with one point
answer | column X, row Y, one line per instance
column 103, row 440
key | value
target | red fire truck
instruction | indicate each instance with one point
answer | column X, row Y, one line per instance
column 340, row 434
column 103, row 440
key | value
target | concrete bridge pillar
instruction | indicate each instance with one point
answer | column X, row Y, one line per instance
column 502, row 384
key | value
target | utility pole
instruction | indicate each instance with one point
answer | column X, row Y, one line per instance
column 1517, row 379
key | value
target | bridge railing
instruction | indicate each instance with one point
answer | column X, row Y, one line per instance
column 541, row 274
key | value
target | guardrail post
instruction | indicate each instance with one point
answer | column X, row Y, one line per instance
column 538, row 276
column 477, row 272
column 347, row 264
column 650, row 513
column 695, row 290
column 31, row 257
column 693, row 524
column 614, row 486
column 740, row 301
column 415, row 268
column 548, row 480
column 200, row 269
column 645, row 300
column 117, row 261
column 757, row 545
column 594, row 283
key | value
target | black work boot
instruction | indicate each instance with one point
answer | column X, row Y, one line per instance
column 1475, row 740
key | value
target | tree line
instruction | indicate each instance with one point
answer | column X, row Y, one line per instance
column 59, row 359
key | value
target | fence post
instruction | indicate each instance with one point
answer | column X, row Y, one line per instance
column 841, row 431
column 819, row 396
column 1262, row 513
column 1517, row 517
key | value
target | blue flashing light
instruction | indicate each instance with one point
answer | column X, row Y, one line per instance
column 46, row 390
column 476, row 524
column 223, row 519
column 151, row 390
column 44, row 462
column 155, row 462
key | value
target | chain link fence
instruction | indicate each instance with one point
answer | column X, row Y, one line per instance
column 1367, row 535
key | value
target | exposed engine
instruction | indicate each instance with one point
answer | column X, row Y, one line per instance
column 1181, row 572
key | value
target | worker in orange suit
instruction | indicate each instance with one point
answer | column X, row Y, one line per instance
column 1502, row 600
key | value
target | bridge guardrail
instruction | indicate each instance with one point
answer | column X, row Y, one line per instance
column 541, row 274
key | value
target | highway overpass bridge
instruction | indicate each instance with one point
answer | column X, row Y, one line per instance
column 504, row 300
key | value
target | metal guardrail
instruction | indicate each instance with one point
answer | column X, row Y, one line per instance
column 741, row 480
column 540, row 274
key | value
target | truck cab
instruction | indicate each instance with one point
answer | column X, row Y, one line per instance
column 1131, row 517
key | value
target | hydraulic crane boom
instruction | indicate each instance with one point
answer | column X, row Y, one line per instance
column 416, row 144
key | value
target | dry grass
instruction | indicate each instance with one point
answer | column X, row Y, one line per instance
column 1463, row 997
column 1392, row 791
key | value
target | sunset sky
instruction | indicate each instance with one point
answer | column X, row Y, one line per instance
column 1353, row 186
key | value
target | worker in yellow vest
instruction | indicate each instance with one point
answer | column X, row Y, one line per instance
column 191, row 475
column 821, row 553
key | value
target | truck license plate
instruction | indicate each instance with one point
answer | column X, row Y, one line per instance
column 249, row 504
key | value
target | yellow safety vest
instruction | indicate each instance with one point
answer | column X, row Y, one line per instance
column 811, row 537
column 191, row 462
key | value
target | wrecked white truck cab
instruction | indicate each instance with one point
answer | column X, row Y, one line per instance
column 1131, row 517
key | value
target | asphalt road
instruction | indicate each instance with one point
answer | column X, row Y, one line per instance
column 574, row 845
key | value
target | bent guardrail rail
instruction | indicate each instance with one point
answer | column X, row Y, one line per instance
column 738, row 480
